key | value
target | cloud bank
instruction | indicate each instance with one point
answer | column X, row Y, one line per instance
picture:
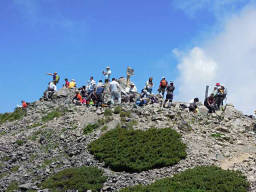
column 228, row 58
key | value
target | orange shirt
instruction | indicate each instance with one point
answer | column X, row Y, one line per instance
column 79, row 97
column 24, row 104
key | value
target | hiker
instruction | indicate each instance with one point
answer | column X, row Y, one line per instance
column 24, row 104
column 220, row 96
column 149, row 85
column 162, row 86
column 91, row 85
column 50, row 90
column 193, row 105
column 66, row 83
column 83, row 92
column 132, row 92
column 78, row 100
column 169, row 96
column 99, row 94
column 100, row 84
column 55, row 77
column 72, row 83
column 210, row 103
column 106, row 92
column 107, row 73
column 115, row 91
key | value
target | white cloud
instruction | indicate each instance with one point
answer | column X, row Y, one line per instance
column 216, row 7
column 229, row 58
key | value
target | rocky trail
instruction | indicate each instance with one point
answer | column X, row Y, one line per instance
column 33, row 148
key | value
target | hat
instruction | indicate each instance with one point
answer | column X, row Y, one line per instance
column 217, row 84
column 107, row 67
column 163, row 77
column 73, row 80
column 132, row 84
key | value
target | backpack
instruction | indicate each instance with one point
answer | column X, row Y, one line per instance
column 57, row 78
column 163, row 83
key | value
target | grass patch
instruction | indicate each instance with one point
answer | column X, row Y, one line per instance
column 104, row 128
column 90, row 128
column 34, row 125
column 2, row 133
column 20, row 142
column 15, row 168
column 16, row 115
column 125, row 114
column 117, row 110
column 135, row 150
column 54, row 114
column 199, row 179
column 81, row 179
column 107, row 112
column 217, row 135
column 13, row 186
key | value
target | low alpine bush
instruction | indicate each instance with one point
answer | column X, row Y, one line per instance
column 135, row 150
column 16, row 115
column 90, row 128
column 198, row 179
column 81, row 179
column 50, row 116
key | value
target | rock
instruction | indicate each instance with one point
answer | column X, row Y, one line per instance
column 26, row 186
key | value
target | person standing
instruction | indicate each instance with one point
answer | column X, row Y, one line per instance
column 55, row 77
column 149, row 85
column 169, row 96
column 162, row 86
column 107, row 73
column 115, row 90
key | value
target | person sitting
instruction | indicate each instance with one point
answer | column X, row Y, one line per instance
column 24, row 104
column 72, row 83
column 66, row 83
column 210, row 103
column 193, row 105
column 169, row 96
column 132, row 92
column 50, row 90
column 78, row 100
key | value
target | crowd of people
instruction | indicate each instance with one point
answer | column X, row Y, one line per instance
column 114, row 91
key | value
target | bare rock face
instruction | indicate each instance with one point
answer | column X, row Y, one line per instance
column 51, row 137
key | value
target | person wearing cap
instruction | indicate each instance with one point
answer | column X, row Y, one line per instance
column 162, row 86
column 169, row 96
column 132, row 92
column 72, row 83
column 55, row 77
column 107, row 73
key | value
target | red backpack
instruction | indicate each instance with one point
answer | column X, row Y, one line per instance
column 163, row 83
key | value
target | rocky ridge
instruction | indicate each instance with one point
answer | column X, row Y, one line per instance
column 32, row 149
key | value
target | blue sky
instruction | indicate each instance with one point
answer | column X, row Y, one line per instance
column 80, row 38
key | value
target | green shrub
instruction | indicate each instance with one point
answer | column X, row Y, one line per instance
column 136, row 150
column 20, row 142
column 16, row 115
column 81, row 179
column 107, row 112
column 199, row 179
column 125, row 114
column 104, row 128
column 117, row 109
column 50, row 116
column 90, row 127
column 13, row 186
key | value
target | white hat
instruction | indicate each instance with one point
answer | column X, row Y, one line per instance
column 107, row 67
column 163, row 77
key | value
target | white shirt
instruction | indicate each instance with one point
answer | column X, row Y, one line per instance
column 53, row 86
column 114, row 86
column 107, row 74
column 133, row 90
column 92, row 85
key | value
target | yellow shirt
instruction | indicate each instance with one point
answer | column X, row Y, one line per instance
column 72, row 84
